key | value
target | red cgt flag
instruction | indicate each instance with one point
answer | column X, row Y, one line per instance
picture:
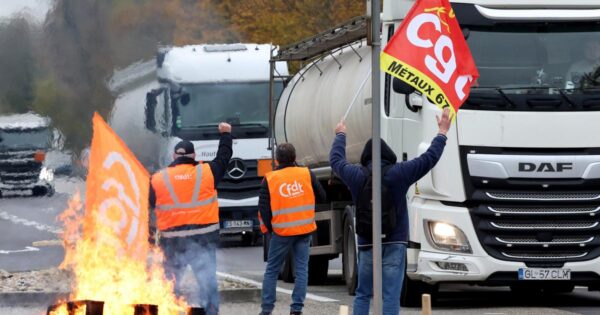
column 430, row 53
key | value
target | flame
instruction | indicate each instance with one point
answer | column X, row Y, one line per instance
column 102, row 273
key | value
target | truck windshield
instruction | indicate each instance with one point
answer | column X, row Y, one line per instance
column 15, row 139
column 245, row 105
column 559, row 55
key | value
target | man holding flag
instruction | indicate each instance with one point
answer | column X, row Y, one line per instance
column 429, row 53
column 398, row 177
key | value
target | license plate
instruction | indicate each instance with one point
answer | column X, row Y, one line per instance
column 544, row 274
column 238, row 224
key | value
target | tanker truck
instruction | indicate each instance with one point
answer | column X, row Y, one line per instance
column 184, row 94
column 514, row 200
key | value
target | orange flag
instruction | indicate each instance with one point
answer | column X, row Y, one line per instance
column 116, row 194
column 430, row 53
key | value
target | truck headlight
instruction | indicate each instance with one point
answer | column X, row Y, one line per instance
column 46, row 174
column 444, row 236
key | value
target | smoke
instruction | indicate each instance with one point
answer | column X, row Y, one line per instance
column 191, row 261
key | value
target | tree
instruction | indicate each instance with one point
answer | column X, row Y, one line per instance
column 17, row 65
column 283, row 22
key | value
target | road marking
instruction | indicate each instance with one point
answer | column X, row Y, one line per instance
column 309, row 296
column 36, row 225
column 27, row 249
column 47, row 243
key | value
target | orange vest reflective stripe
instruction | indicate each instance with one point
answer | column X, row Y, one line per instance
column 185, row 194
column 292, row 201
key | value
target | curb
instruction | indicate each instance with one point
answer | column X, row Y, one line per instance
column 12, row 299
column 240, row 295
column 31, row 298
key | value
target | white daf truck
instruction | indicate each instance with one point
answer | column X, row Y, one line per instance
column 515, row 199
column 184, row 94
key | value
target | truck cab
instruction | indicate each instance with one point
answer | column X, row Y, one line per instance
column 202, row 85
column 24, row 141
column 514, row 193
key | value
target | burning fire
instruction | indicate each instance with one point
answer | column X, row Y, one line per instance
column 103, row 273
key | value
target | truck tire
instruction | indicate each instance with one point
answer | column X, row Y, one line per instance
column 287, row 271
column 318, row 267
column 349, row 254
column 412, row 291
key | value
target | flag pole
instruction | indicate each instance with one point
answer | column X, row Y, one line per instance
column 373, row 11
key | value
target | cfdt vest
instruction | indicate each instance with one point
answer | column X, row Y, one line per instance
column 292, row 202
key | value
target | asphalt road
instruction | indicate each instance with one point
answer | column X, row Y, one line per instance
column 25, row 220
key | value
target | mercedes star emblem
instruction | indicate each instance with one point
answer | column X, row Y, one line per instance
column 236, row 168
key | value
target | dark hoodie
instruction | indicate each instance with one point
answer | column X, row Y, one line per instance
column 398, row 178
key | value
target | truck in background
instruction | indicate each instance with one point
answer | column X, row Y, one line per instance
column 184, row 94
column 24, row 142
column 514, row 201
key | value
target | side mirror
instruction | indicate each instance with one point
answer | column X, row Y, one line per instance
column 402, row 87
column 150, row 121
column 184, row 99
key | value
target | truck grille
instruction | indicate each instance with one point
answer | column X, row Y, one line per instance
column 245, row 187
column 545, row 255
column 538, row 233
column 534, row 220
column 19, row 169
column 543, row 196
column 546, row 210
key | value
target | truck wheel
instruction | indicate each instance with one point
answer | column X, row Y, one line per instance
column 318, row 266
column 51, row 192
column 39, row 191
column 349, row 255
column 287, row 272
column 412, row 291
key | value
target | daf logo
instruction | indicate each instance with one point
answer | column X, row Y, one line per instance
column 545, row 167
column 236, row 168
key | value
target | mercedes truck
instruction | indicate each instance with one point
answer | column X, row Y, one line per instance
column 184, row 94
column 515, row 199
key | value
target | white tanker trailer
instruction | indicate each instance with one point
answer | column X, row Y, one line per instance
column 514, row 201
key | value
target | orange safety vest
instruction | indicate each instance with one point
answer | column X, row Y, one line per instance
column 185, row 194
column 292, row 202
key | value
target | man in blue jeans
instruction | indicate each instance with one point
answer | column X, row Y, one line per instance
column 286, row 206
column 398, row 178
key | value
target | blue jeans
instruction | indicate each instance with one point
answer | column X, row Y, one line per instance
column 198, row 251
column 394, row 260
column 278, row 249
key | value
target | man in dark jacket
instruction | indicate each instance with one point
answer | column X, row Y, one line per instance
column 286, row 206
column 397, row 179
column 184, row 207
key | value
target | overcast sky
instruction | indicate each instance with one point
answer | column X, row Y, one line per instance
column 37, row 8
